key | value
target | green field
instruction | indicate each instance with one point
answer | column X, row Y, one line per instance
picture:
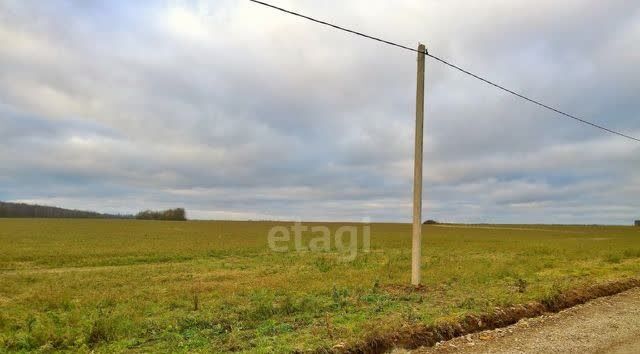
column 126, row 285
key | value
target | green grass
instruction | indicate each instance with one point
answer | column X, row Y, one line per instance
column 126, row 285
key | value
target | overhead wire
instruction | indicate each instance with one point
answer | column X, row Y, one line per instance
column 445, row 62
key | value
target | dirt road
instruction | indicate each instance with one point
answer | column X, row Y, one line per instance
column 605, row 325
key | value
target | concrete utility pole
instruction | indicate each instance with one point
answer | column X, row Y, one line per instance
column 416, row 254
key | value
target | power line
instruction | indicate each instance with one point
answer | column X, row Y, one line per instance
column 335, row 26
column 394, row 44
column 532, row 100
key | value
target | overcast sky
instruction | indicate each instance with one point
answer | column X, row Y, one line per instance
column 233, row 110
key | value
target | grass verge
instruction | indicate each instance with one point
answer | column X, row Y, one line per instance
column 425, row 336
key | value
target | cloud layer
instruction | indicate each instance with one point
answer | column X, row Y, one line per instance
column 233, row 110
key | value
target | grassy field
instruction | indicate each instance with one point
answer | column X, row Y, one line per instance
column 126, row 285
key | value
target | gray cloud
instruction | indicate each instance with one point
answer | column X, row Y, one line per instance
column 236, row 111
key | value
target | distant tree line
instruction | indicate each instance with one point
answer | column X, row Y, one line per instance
column 177, row 214
column 22, row 210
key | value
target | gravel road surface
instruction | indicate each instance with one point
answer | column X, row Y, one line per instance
column 605, row 325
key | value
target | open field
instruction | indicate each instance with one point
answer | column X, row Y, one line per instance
column 115, row 285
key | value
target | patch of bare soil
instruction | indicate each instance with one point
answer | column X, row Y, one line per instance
column 427, row 336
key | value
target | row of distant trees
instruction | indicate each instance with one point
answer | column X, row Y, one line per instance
column 177, row 214
column 22, row 210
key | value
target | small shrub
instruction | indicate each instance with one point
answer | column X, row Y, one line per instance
column 340, row 297
column 287, row 306
column 21, row 342
column 409, row 314
column 376, row 286
column 102, row 330
column 468, row 303
column 31, row 321
column 272, row 328
column 613, row 258
column 194, row 322
column 196, row 301
column 521, row 285
column 552, row 296
column 323, row 264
